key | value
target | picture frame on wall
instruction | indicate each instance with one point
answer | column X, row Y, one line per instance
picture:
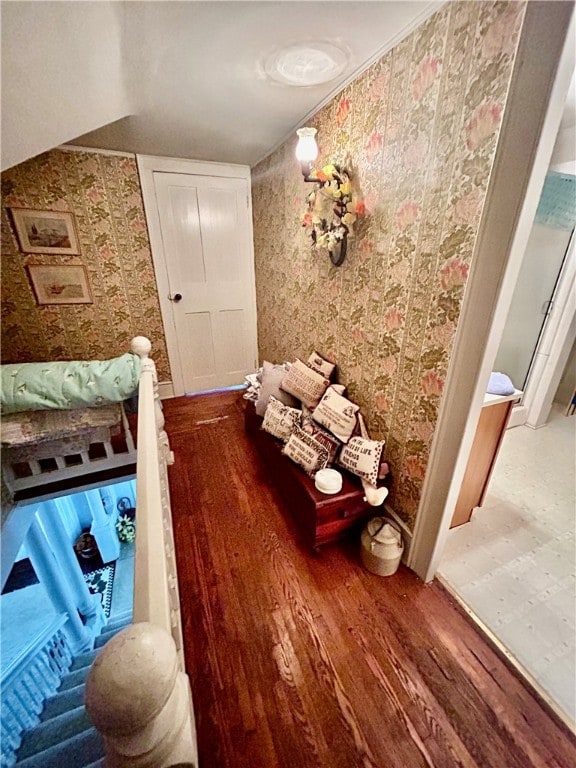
column 51, row 232
column 60, row 283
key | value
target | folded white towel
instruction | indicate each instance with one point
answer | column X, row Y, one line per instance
column 500, row 384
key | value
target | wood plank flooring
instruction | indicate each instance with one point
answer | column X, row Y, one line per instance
column 302, row 661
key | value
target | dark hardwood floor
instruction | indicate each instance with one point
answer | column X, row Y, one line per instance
column 300, row 661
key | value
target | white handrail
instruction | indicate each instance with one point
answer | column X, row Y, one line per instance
column 156, row 597
column 23, row 657
column 137, row 692
column 151, row 600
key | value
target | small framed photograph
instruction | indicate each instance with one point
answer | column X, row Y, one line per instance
column 45, row 231
column 60, row 283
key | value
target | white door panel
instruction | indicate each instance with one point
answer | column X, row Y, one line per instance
column 205, row 227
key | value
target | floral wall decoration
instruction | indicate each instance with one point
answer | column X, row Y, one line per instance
column 421, row 126
column 103, row 193
column 332, row 210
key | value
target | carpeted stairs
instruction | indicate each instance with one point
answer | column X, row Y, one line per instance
column 65, row 737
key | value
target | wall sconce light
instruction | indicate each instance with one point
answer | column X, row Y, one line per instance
column 306, row 150
column 333, row 188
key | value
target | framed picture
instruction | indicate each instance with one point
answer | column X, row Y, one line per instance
column 60, row 283
column 45, row 231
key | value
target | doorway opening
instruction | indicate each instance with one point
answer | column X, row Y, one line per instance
column 512, row 564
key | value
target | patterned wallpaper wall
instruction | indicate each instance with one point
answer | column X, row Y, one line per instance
column 103, row 192
column 420, row 127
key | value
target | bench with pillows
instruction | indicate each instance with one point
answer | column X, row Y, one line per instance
column 302, row 423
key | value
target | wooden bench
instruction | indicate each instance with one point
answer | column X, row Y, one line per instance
column 320, row 518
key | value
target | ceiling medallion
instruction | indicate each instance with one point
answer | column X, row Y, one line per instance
column 305, row 64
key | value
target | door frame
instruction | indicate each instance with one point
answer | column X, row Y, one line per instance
column 536, row 100
column 552, row 350
column 147, row 166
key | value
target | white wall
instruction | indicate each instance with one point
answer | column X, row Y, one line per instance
column 563, row 157
column 62, row 73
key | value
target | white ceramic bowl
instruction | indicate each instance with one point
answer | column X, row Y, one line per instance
column 328, row 481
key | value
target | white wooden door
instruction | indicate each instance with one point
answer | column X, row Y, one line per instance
column 206, row 237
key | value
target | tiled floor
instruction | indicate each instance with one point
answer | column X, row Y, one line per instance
column 514, row 562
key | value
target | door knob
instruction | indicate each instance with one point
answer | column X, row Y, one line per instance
column 176, row 297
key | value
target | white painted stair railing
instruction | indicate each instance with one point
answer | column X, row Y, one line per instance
column 137, row 692
column 29, row 680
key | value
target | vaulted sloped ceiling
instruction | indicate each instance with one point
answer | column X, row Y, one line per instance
column 62, row 73
column 183, row 79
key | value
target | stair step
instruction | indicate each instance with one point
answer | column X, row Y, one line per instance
column 72, row 679
column 52, row 732
column 103, row 637
column 120, row 618
column 76, row 752
column 84, row 660
column 115, row 626
column 62, row 702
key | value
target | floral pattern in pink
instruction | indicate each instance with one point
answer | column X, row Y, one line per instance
column 425, row 76
column 421, row 129
column 414, row 467
column 453, row 273
column 392, row 319
column 343, row 111
column 373, row 145
column 432, row 384
column 381, row 402
column 485, row 121
column 407, row 214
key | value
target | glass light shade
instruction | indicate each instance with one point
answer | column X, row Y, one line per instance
column 306, row 149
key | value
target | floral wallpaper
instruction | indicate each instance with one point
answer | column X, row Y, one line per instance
column 103, row 193
column 420, row 129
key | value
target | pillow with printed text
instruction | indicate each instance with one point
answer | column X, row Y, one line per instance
column 280, row 419
column 362, row 457
column 337, row 413
column 305, row 451
column 325, row 438
column 304, row 383
column 325, row 367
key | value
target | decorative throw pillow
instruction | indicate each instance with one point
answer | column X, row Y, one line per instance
column 337, row 413
column 325, row 367
column 272, row 377
column 331, row 443
column 306, row 451
column 362, row 457
column 305, row 383
column 280, row 419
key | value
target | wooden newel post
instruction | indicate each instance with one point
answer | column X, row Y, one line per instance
column 140, row 701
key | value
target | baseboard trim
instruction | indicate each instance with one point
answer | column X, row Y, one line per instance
column 165, row 390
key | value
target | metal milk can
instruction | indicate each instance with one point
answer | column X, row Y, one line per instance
column 381, row 546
